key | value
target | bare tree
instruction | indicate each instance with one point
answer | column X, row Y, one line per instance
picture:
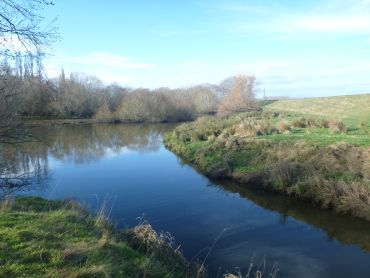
column 205, row 100
column 22, row 28
column 241, row 96
column 25, row 39
column 8, row 102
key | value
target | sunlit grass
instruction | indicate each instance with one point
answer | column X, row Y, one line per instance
column 351, row 109
column 40, row 238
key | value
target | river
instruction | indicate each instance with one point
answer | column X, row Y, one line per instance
column 127, row 169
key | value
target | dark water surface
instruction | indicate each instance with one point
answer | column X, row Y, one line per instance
column 128, row 167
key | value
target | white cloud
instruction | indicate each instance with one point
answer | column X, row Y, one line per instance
column 336, row 17
column 107, row 66
column 105, row 59
column 324, row 24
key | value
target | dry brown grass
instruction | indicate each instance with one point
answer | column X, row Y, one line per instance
column 284, row 127
column 256, row 271
column 163, row 245
column 337, row 126
column 324, row 123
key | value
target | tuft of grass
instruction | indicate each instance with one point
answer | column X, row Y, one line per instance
column 256, row 270
column 337, row 127
column 284, row 127
column 41, row 238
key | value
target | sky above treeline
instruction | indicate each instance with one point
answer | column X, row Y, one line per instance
column 294, row 48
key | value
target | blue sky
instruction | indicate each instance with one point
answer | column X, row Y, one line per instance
column 294, row 48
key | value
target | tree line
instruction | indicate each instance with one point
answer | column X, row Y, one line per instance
column 30, row 94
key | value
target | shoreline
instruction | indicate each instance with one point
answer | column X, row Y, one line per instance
column 51, row 122
column 50, row 237
column 334, row 176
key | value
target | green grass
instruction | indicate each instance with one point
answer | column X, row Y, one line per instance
column 310, row 157
column 351, row 109
column 41, row 238
column 321, row 137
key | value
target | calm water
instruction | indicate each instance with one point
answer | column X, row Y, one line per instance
column 128, row 166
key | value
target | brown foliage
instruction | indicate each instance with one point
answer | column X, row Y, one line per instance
column 241, row 96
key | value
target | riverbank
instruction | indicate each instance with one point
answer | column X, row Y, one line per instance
column 35, row 122
column 46, row 238
column 314, row 159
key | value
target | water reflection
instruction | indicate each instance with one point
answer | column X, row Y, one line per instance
column 25, row 166
column 346, row 229
column 130, row 163
column 21, row 171
column 86, row 143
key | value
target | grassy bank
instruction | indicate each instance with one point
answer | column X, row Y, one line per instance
column 41, row 238
column 317, row 158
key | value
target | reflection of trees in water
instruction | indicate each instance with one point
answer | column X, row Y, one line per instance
column 86, row 143
column 346, row 229
column 20, row 170
column 27, row 163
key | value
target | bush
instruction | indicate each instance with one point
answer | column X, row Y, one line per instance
column 104, row 115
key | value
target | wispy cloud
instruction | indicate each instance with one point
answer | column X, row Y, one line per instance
column 108, row 60
column 109, row 67
column 331, row 17
column 299, row 77
column 242, row 8
column 350, row 24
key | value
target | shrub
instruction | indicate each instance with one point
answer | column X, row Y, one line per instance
column 104, row 115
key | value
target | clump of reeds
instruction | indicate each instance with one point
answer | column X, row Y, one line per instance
column 284, row 127
column 324, row 123
column 299, row 123
column 337, row 126
column 255, row 127
column 256, row 271
column 162, row 245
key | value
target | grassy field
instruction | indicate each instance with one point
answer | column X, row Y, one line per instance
column 293, row 147
column 352, row 110
column 41, row 238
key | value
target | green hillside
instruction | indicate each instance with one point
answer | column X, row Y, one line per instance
column 351, row 109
